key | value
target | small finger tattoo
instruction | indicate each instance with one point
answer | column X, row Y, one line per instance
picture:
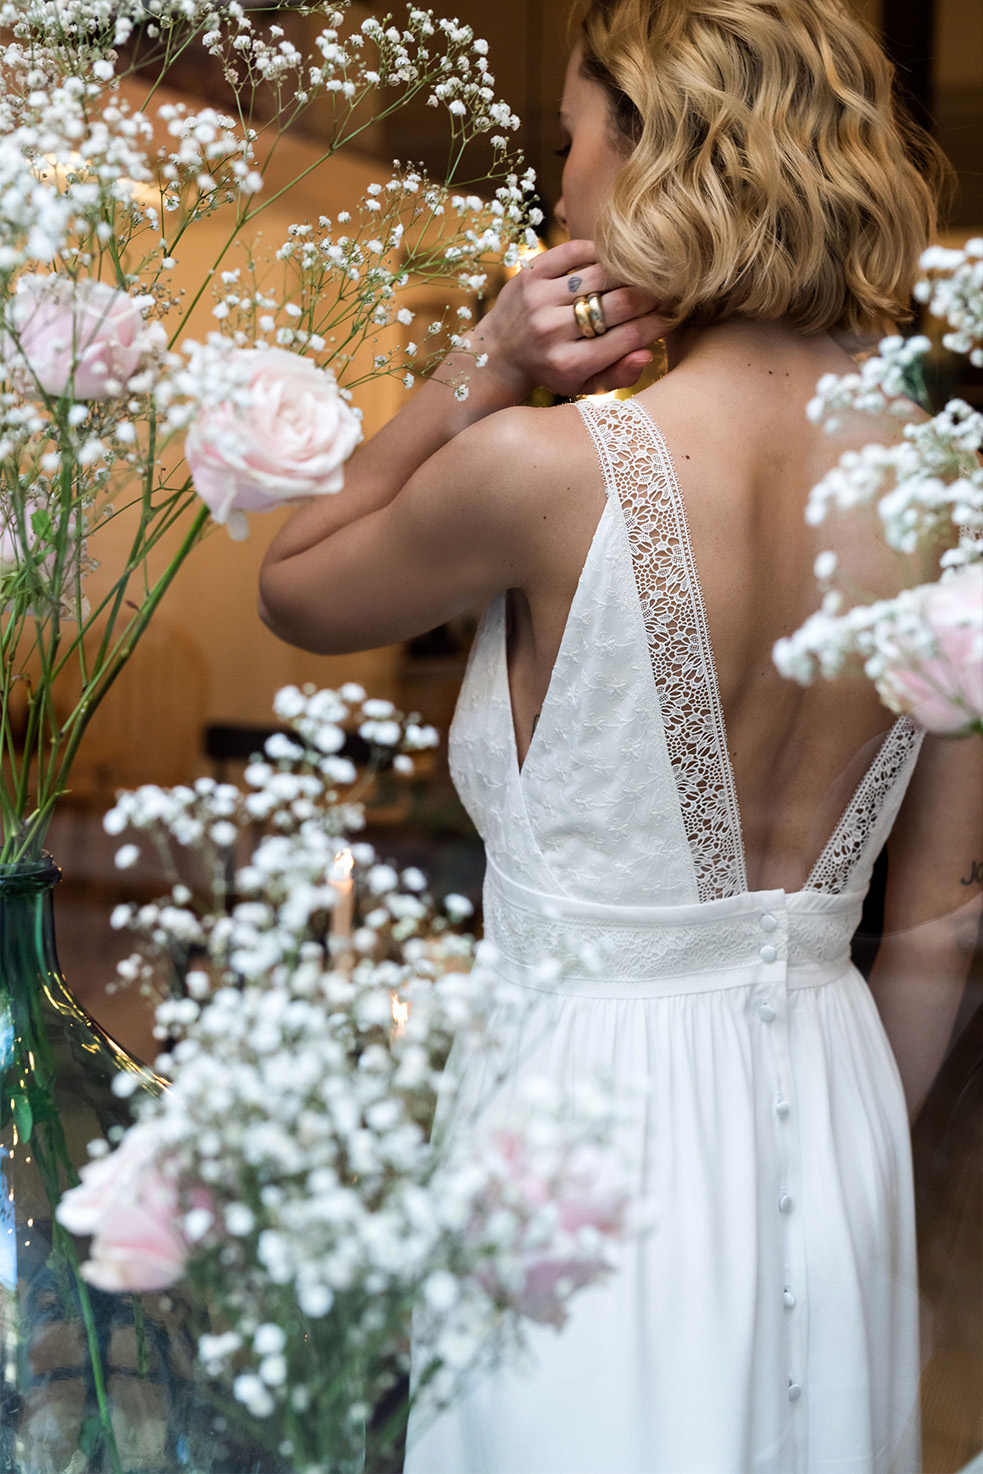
column 573, row 282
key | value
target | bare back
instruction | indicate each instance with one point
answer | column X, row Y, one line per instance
column 745, row 454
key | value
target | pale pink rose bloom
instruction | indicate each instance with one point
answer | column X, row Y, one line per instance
column 590, row 1194
column 82, row 337
column 134, row 1216
column 937, row 677
column 289, row 441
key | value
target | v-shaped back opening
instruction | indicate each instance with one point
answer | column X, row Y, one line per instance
column 641, row 479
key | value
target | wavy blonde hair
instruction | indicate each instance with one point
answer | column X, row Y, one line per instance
column 770, row 171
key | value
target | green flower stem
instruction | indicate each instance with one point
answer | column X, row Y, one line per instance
column 45, row 1133
column 62, row 1243
column 80, row 717
column 65, row 737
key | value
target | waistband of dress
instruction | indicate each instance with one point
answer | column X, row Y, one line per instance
column 561, row 944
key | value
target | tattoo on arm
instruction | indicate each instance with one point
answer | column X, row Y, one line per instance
column 975, row 876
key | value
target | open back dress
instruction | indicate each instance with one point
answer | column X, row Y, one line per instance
column 767, row 1324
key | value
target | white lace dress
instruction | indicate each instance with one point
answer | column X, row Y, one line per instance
column 769, row 1320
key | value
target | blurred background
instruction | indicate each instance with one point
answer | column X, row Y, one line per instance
column 196, row 696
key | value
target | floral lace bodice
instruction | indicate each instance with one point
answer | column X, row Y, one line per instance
column 626, row 797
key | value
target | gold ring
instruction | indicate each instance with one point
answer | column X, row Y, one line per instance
column 585, row 320
column 596, row 312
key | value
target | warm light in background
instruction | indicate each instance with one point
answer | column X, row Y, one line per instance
column 401, row 1012
column 525, row 257
column 341, row 881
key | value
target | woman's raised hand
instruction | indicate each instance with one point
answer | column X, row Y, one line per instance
column 532, row 335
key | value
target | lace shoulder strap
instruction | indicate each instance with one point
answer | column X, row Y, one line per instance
column 854, row 844
column 638, row 472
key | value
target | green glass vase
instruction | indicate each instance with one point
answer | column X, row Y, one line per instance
column 90, row 1383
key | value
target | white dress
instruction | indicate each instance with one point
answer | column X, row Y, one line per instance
column 768, row 1322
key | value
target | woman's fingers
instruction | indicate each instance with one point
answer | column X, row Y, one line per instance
column 617, row 358
column 533, row 336
column 574, row 267
column 570, row 257
column 625, row 304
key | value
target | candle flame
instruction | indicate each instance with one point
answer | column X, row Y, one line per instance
column 401, row 1010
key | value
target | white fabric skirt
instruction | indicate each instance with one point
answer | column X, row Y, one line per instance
column 767, row 1323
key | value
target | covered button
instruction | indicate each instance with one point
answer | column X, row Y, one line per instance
column 768, row 922
column 766, row 1013
column 768, row 953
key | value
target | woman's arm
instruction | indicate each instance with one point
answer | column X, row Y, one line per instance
column 932, row 909
column 530, row 338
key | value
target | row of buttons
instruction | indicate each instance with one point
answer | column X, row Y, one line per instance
column 768, row 1014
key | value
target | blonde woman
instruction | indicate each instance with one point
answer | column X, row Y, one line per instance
column 738, row 180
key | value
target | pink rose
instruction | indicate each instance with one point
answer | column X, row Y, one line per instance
column 286, row 436
column 931, row 663
column 134, row 1216
column 82, row 338
column 588, row 1196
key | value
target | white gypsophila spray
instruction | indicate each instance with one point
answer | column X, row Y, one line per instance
column 923, row 649
column 291, row 1172
column 108, row 405
column 952, row 290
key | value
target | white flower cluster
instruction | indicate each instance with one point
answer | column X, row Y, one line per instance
column 80, row 27
column 212, row 149
column 923, row 649
column 286, row 889
column 60, row 158
column 952, row 289
column 315, row 1209
column 880, row 385
column 252, row 57
column 404, row 232
column 300, row 1114
column 923, row 488
column 202, row 376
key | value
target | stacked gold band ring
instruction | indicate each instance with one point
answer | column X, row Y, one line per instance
column 590, row 316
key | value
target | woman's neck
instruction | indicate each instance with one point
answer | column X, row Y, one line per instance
column 697, row 345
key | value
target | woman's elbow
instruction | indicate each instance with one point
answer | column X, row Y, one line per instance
column 296, row 620
column 279, row 609
column 271, row 601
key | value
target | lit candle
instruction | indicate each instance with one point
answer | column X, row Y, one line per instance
column 342, row 883
column 401, row 1012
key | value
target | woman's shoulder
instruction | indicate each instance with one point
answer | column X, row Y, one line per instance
column 529, row 459
column 522, row 431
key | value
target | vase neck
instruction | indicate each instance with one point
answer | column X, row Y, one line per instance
column 28, row 953
column 28, row 877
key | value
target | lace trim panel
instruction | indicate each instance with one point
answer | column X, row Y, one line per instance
column 877, row 798
column 638, row 470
